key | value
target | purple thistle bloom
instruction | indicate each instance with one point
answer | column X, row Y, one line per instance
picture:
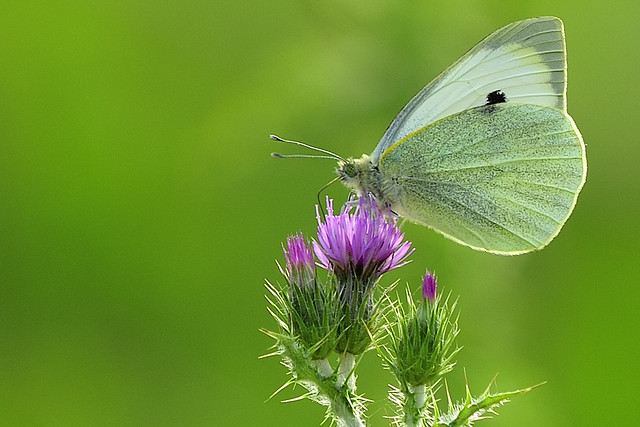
column 359, row 242
column 299, row 261
column 429, row 287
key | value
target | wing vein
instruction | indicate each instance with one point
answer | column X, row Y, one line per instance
column 492, row 221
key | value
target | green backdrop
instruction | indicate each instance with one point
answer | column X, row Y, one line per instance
column 140, row 212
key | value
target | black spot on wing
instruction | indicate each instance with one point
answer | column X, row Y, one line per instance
column 496, row 97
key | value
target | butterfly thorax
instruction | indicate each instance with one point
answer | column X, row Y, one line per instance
column 363, row 177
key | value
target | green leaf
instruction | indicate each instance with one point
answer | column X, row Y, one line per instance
column 478, row 408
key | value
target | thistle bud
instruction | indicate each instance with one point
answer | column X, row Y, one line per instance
column 423, row 338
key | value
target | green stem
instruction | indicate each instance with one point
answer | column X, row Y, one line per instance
column 344, row 413
column 323, row 367
column 345, row 369
column 345, row 383
column 415, row 400
column 333, row 389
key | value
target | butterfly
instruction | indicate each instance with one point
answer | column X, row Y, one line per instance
column 486, row 154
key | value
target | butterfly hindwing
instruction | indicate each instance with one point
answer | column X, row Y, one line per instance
column 502, row 178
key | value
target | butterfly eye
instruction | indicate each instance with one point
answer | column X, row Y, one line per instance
column 350, row 170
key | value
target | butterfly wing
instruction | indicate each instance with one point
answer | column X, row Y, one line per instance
column 525, row 60
column 501, row 178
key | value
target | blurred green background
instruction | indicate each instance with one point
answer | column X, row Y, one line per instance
column 140, row 211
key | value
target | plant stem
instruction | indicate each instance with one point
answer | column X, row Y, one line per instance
column 336, row 390
column 348, row 414
column 345, row 369
column 323, row 367
column 415, row 400
column 419, row 393
column 344, row 413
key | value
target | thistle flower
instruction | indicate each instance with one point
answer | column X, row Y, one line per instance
column 317, row 317
column 358, row 246
column 312, row 310
column 359, row 242
column 429, row 287
column 300, row 264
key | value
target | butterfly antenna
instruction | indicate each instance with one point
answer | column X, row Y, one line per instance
column 328, row 154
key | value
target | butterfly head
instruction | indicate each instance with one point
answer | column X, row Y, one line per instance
column 359, row 174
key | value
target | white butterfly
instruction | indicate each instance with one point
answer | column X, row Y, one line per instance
column 486, row 153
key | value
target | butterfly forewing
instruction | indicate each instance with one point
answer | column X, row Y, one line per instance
column 525, row 60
